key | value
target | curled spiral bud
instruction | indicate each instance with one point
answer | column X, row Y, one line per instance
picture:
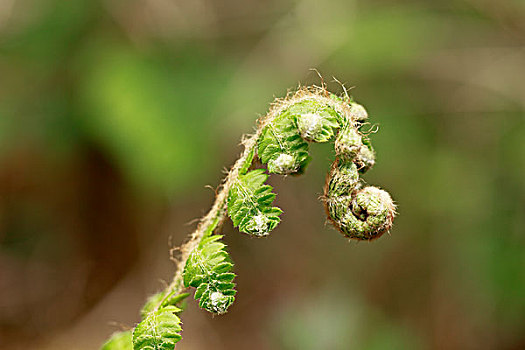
column 362, row 213
column 365, row 215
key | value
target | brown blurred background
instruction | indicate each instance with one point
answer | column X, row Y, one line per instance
column 115, row 114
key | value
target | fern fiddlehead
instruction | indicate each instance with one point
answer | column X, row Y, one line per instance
column 281, row 142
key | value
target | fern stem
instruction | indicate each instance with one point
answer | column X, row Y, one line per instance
column 213, row 219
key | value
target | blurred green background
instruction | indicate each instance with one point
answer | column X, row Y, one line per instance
column 115, row 114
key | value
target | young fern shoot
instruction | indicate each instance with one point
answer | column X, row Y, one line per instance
column 281, row 142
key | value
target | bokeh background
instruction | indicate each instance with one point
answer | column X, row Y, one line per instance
column 115, row 114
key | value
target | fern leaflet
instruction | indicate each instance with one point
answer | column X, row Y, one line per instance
column 208, row 269
column 282, row 147
column 160, row 330
column 250, row 204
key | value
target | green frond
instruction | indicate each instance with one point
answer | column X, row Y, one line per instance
column 316, row 122
column 160, row 330
column 208, row 269
column 250, row 204
column 119, row 341
column 281, row 146
column 247, row 162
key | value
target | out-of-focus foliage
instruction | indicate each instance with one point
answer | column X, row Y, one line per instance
column 139, row 109
column 108, row 107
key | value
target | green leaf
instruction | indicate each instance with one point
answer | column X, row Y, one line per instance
column 247, row 163
column 281, row 146
column 119, row 341
column 135, row 109
column 316, row 122
column 176, row 300
column 208, row 269
column 250, row 204
column 160, row 330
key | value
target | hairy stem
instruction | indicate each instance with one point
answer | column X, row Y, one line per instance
column 213, row 219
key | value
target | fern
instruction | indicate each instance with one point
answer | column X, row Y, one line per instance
column 250, row 204
column 281, row 146
column 316, row 122
column 357, row 210
column 208, row 269
column 160, row 330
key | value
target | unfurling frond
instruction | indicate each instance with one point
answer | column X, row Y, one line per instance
column 280, row 143
column 281, row 146
column 250, row 204
column 159, row 330
column 316, row 121
column 208, row 269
